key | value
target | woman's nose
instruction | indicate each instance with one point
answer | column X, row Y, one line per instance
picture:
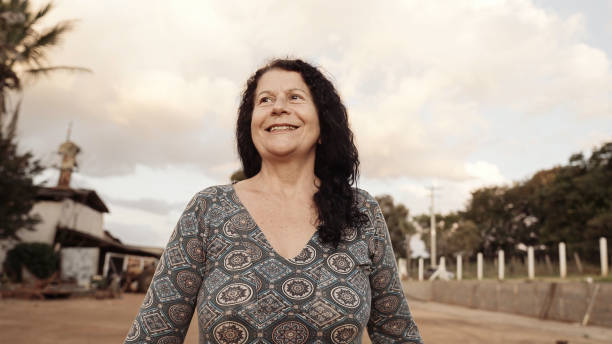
column 280, row 105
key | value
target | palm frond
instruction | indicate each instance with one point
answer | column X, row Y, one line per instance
column 12, row 126
column 41, row 13
column 45, row 70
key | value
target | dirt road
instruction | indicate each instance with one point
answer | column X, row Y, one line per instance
column 107, row 321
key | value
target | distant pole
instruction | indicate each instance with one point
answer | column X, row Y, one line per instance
column 562, row 261
column 500, row 265
column 432, row 226
column 408, row 254
column 421, row 269
column 603, row 254
column 459, row 268
column 530, row 263
column 479, row 265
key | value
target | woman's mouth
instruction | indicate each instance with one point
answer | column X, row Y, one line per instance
column 281, row 127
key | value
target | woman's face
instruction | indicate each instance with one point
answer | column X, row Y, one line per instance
column 285, row 123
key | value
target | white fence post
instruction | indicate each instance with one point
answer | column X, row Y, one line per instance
column 562, row 261
column 459, row 268
column 530, row 263
column 479, row 265
column 500, row 265
column 420, row 269
column 603, row 254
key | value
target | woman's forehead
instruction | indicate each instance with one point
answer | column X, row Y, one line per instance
column 280, row 80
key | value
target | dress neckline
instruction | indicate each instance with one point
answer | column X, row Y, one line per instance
column 265, row 240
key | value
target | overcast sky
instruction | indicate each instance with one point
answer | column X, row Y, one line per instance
column 457, row 94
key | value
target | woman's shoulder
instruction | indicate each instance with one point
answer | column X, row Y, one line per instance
column 212, row 194
column 364, row 199
column 215, row 190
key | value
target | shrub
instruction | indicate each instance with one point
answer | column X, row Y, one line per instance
column 38, row 258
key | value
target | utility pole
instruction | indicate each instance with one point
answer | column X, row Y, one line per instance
column 432, row 228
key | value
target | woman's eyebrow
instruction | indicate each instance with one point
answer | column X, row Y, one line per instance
column 261, row 92
column 297, row 89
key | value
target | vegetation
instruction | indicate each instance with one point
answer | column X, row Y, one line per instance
column 237, row 176
column 396, row 216
column 38, row 258
column 570, row 203
column 18, row 190
column 23, row 52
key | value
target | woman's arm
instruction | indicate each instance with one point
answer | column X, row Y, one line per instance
column 169, row 303
column 390, row 318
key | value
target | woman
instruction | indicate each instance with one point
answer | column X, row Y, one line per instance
column 292, row 254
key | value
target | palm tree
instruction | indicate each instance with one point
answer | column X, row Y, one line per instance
column 23, row 51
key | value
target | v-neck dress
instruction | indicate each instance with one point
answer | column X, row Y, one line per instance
column 219, row 263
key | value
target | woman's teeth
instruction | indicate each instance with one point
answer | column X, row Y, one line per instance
column 282, row 127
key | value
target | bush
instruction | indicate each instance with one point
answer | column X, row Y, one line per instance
column 38, row 258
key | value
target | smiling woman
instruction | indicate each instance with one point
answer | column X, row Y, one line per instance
column 292, row 254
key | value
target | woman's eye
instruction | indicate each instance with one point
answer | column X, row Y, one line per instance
column 264, row 100
column 296, row 96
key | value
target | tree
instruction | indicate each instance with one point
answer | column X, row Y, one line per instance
column 454, row 235
column 18, row 190
column 237, row 176
column 396, row 216
column 23, row 52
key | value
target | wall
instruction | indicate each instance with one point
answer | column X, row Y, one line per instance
column 80, row 263
column 564, row 301
column 67, row 213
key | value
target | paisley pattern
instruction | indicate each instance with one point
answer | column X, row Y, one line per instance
column 219, row 262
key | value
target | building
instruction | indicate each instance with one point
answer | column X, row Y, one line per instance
column 72, row 221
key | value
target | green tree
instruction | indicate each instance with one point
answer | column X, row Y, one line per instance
column 237, row 176
column 454, row 235
column 24, row 48
column 396, row 216
column 23, row 52
column 18, row 189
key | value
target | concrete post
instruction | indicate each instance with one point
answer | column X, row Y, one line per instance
column 479, row 265
column 530, row 263
column 500, row 265
column 459, row 268
column 603, row 254
column 420, row 269
column 442, row 263
column 562, row 261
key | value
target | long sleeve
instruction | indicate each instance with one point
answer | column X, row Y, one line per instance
column 169, row 303
column 390, row 318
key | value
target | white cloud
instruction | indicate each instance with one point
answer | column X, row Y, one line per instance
column 423, row 81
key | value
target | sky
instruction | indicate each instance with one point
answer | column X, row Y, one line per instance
column 452, row 94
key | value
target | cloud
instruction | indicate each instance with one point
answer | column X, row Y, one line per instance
column 428, row 85
column 422, row 80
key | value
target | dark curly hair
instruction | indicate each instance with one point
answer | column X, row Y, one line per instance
column 336, row 158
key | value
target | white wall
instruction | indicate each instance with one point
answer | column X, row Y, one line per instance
column 80, row 263
column 67, row 213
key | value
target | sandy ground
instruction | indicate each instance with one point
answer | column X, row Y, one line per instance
column 107, row 321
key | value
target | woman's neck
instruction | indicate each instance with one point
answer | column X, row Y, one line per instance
column 286, row 179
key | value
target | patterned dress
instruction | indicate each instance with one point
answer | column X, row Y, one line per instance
column 219, row 262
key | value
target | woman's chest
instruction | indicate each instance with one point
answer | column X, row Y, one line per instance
column 249, row 291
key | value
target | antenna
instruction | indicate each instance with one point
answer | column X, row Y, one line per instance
column 69, row 131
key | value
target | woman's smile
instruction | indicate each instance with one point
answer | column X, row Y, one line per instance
column 285, row 122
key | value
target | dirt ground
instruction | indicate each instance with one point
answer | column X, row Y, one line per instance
column 107, row 321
